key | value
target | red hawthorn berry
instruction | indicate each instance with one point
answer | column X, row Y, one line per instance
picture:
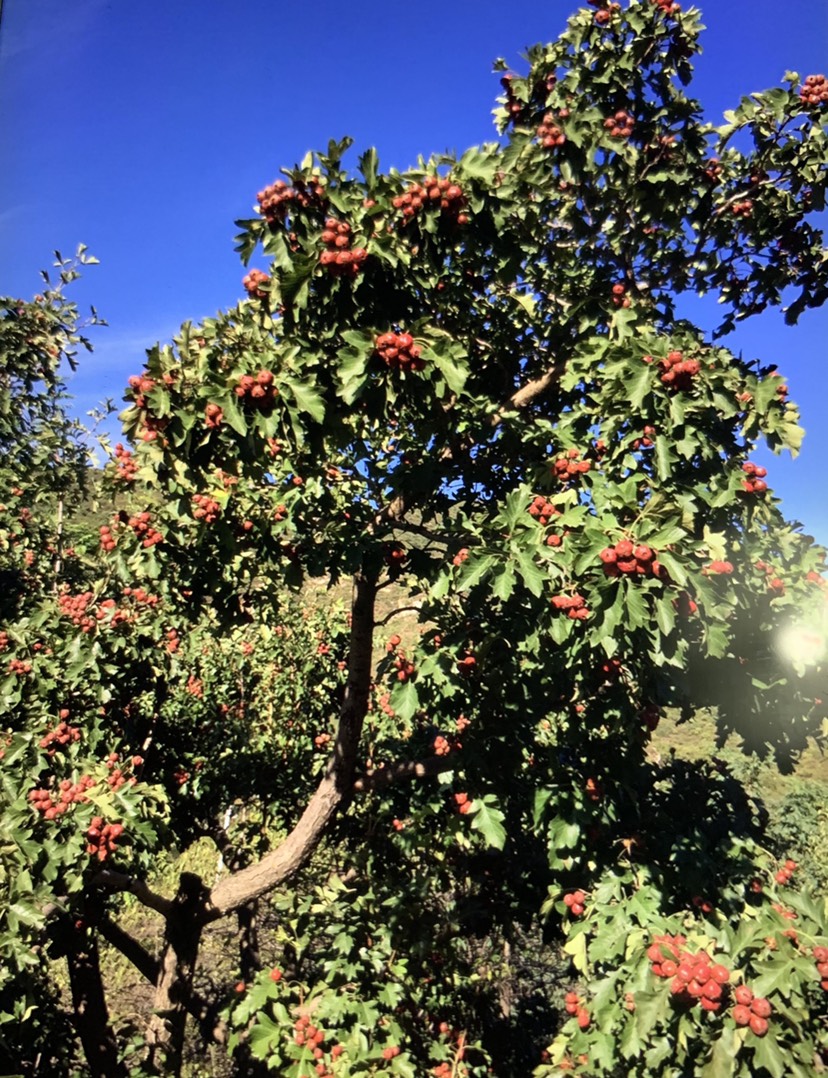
column 582, row 1018
column 743, row 995
column 275, row 975
column 761, row 1007
column 741, row 1015
column 758, row 1025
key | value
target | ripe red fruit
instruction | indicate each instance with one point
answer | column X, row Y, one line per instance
column 758, row 1025
column 741, row 1015
column 761, row 1007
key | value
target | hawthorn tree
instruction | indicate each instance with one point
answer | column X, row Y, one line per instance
column 469, row 387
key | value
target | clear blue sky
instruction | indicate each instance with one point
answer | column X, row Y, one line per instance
column 145, row 129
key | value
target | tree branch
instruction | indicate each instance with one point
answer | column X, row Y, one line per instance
column 111, row 880
column 336, row 786
column 130, row 948
column 529, row 392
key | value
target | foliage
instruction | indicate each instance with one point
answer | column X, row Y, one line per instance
column 469, row 386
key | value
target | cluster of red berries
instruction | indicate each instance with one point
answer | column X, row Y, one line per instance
column 67, row 794
column 574, row 605
column 514, row 107
column 713, row 170
column 574, row 1005
column 685, row 605
column 275, row 199
column 463, row 803
column 605, row 10
column 668, row 7
column 814, row 90
column 548, row 132
column 75, row 608
column 574, row 902
column 461, row 556
column 307, row 1035
column 718, row 568
column 776, row 585
column 195, row 686
column 108, row 540
column 630, row 559
column 391, row 1052
column 437, row 192
column 821, row 957
column 449, row 1070
column 646, row 440
column 140, row 524
column 742, row 208
column 385, row 705
column 213, row 416
column 257, row 390
column 676, row 371
column 62, row 735
column 152, row 426
column 751, row 1010
column 254, row 284
column 206, row 508
column 399, row 352
column 466, row 665
column 569, row 465
column 126, row 467
column 444, row 745
column 338, row 256
column 173, row 641
column 784, row 874
column 619, row 296
column 542, row 509
column 118, row 776
column 20, row 666
column 140, row 596
column 404, row 667
column 755, row 481
column 102, row 837
column 4, row 640
column 142, row 384
column 620, row 125
column 109, row 611
column 692, row 976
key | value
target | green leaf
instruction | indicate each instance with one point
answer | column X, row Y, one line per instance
column 306, row 398
column 638, row 386
column 473, row 571
column 768, row 1054
column 724, row 1058
column 576, row 948
column 503, row 582
column 405, row 701
column 488, row 820
column 533, row 577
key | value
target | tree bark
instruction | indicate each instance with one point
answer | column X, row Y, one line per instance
column 166, row 1028
column 91, row 1016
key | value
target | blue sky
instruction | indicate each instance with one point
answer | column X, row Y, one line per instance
column 144, row 130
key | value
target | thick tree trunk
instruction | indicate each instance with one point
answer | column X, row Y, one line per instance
column 91, row 1016
column 249, row 959
column 166, row 1028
